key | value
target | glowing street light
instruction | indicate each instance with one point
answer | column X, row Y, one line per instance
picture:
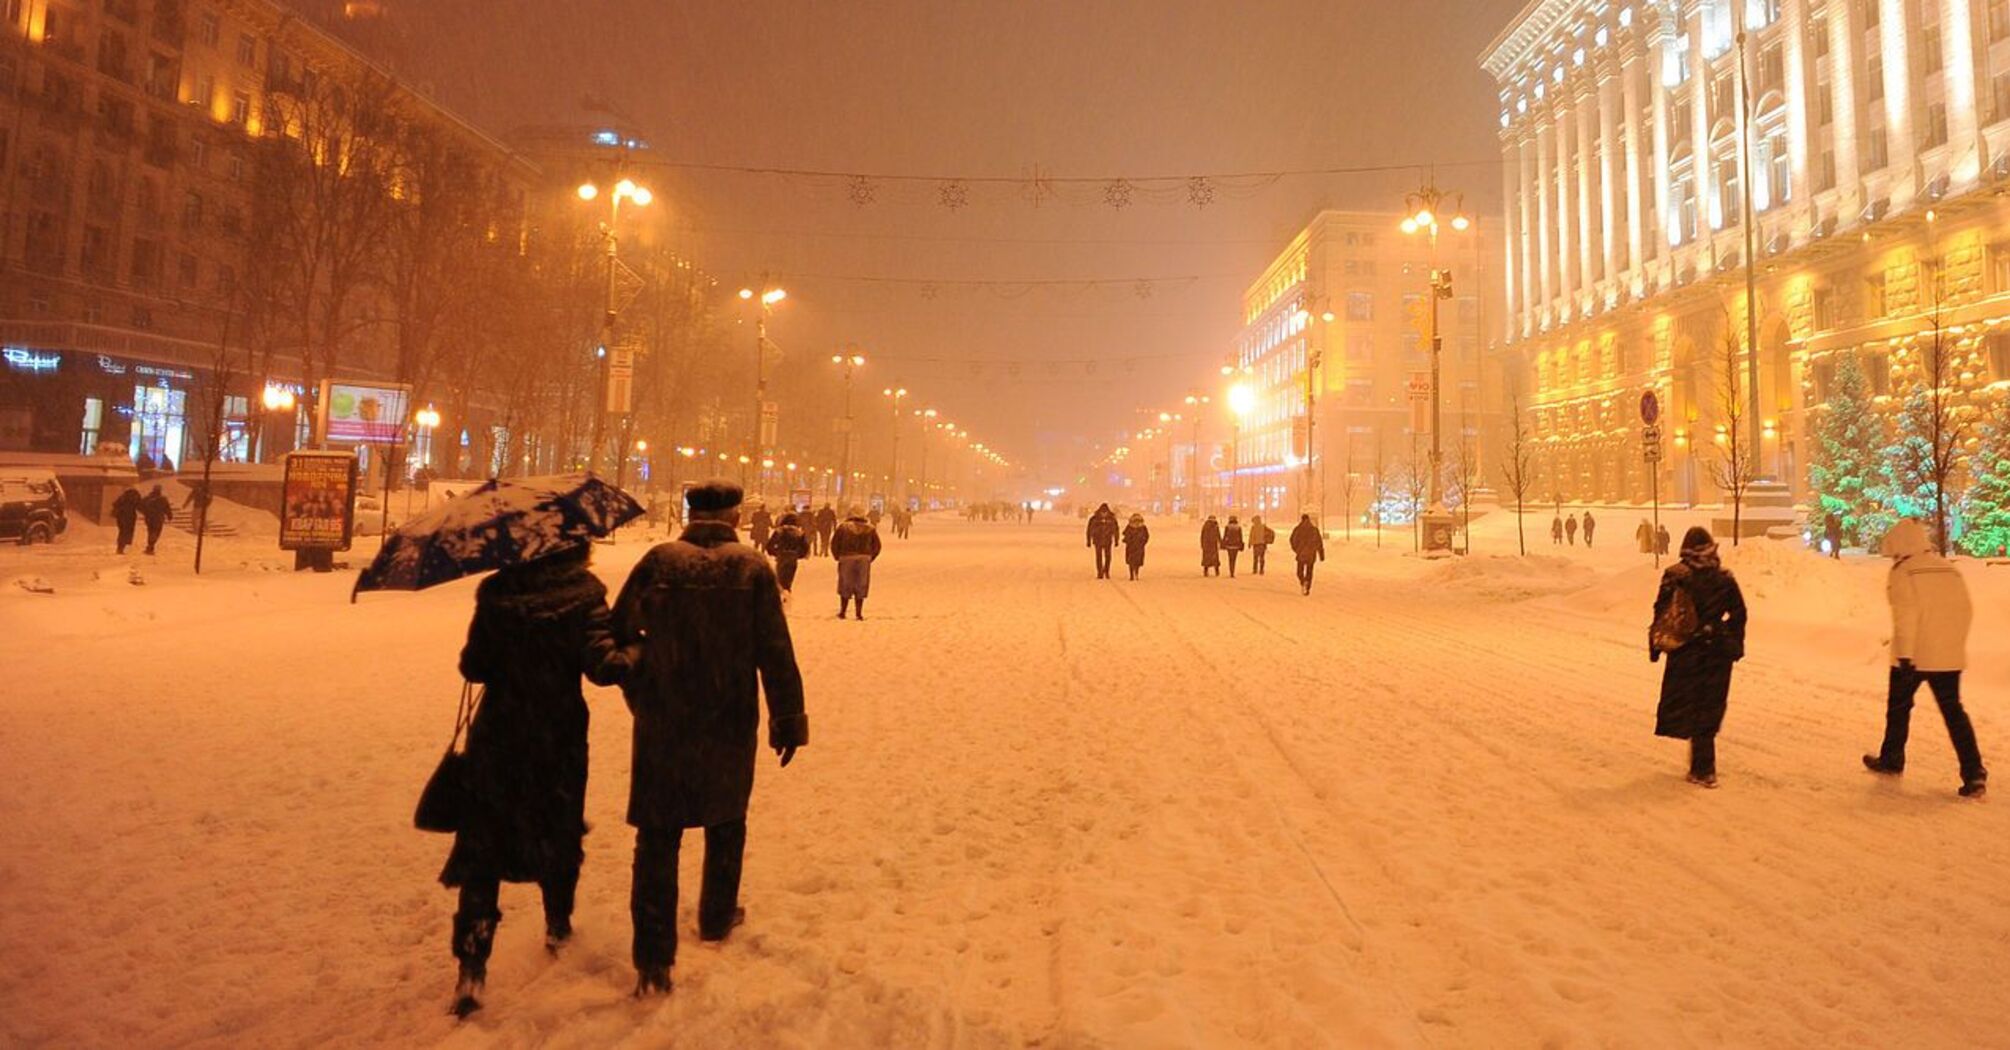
column 624, row 190
column 1429, row 202
column 428, row 417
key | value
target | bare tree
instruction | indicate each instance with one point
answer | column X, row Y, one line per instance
column 1934, row 424
column 1735, row 466
column 211, row 422
column 1518, row 473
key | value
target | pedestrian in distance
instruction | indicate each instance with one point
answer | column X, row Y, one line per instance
column 1261, row 536
column 1590, row 525
column 1232, row 542
column 197, row 501
column 1832, row 534
column 1699, row 624
column 701, row 621
column 1930, row 617
column 856, row 546
column 827, row 523
column 538, row 627
column 1102, row 538
column 759, row 527
column 1136, row 537
column 126, row 515
column 1308, row 546
column 788, row 545
column 1556, row 530
column 1643, row 537
column 1570, row 529
column 1210, row 547
column 1661, row 540
column 155, row 511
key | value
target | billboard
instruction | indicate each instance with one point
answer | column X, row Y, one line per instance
column 358, row 414
column 317, row 501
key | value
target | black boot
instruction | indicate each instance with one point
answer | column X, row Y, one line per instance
column 858, row 610
column 652, row 980
column 844, row 604
column 468, row 990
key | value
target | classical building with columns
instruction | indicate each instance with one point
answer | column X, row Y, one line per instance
column 1876, row 151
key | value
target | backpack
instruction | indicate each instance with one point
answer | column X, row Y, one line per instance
column 1675, row 627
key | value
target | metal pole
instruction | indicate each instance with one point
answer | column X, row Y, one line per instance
column 1437, row 366
column 845, row 488
column 1757, row 452
column 760, row 301
column 606, row 341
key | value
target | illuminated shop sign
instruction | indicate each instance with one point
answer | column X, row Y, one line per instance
column 22, row 359
column 163, row 373
column 110, row 367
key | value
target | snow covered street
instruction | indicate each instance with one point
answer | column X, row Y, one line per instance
column 1423, row 807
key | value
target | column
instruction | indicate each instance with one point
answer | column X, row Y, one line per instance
column 1844, row 34
column 1629, row 82
column 1608, row 134
column 1584, row 100
column 1657, row 57
column 1898, row 132
column 1566, row 243
column 1531, row 230
column 1705, row 162
column 1957, row 43
column 1544, row 228
column 1510, row 223
column 1801, row 91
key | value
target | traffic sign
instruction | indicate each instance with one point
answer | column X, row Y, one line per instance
column 1650, row 408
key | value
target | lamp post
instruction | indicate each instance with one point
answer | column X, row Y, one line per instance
column 1427, row 206
column 764, row 421
column 276, row 399
column 1194, row 401
column 850, row 360
column 896, row 395
column 624, row 190
column 927, row 417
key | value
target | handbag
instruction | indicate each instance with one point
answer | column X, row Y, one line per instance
column 1676, row 625
column 443, row 803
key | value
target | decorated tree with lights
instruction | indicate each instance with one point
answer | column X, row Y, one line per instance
column 1985, row 509
column 1848, row 440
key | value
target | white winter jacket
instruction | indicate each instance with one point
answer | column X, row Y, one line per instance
column 1930, row 611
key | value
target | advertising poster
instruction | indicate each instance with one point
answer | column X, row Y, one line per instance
column 355, row 414
column 317, row 501
column 799, row 499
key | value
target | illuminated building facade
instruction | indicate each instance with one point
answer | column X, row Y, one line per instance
column 1876, row 144
column 1332, row 316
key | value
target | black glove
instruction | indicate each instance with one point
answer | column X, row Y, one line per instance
column 786, row 754
column 1653, row 656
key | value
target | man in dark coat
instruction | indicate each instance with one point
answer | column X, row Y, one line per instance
column 1697, row 683
column 198, row 498
column 126, row 514
column 1102, row 536
column 1136, row 537
column 701, row 619
column 788, row 546
column 1210, row 547
column 1231, row 541
column 1308, row 545
column 827, row 523
column 1832, row 533
column 856, row 546
column 155, row 511
column 1556, row 530
column 759, row 528
column 537, row 628
column 1590, row 526
column 1570, row 529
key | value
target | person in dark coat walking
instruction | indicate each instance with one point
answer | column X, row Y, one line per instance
column 198, row 498
column 1570, row 529
column 538, row 627
column 1661, row 540
column 1696, row 686
column 1102, row 538
column 1261, row 536
column 1231, row 541
column 827, row 523
column 701, row 621
column 1210, row 547
column 126, row 515
column 1556, row 530
column 1308, row 545
column 759, row 527
column 1136, row 536
column 788, row 546
column 155, row 511
column 856, row 546
column 1590, row 525
column 1832, row 534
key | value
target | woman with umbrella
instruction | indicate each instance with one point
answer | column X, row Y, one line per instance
column 541, row 622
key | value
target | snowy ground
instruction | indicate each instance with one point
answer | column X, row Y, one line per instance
column 1423, row 807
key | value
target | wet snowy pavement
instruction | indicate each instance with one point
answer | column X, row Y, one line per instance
column 1037, row 808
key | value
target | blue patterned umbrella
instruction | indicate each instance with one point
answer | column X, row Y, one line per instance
column 499, row 524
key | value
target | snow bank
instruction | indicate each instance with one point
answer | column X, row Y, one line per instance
column 1509, row 578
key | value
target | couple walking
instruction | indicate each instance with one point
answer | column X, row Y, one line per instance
column 695, row 636
column 1699, row 623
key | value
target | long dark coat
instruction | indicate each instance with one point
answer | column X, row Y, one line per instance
column 1307, row 542
column 788, row 543
column 826, row 522
column 156, row 509
column 126, row 509
column 1102, row 530
column 1210, row 544
column 537, row 629
column 1697, row 683
column 702, row 619
column 1135, row 538
column 759, row 527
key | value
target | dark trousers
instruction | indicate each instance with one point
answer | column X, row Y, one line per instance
column 1256, row 560
column 153, row 535
column 1231, row 561
column 126, row 535
column 785, row 571
column 652, row 902
column 475, row 922
column 1103, row 556
column 1305, row 575
column 1946, row 686
column 1703, row 755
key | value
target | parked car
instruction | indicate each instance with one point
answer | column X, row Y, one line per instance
column 31, row 507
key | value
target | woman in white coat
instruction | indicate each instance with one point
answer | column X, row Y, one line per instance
column 1930, row 614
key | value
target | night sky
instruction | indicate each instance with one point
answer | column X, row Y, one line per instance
column 1103, row 89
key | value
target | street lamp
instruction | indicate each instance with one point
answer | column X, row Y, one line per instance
column 896, row 394
column 765, row 420
column 624, row 190
column 850, row 360
column 1426, row 206
column 926, row 415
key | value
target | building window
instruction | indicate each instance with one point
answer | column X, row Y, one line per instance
column 1825, row 104
column 146, row 268
column 205, row 92
column 1777, row 181
column 1998, row 347
column 1730, row 195
column 1360, row 347
column 1818, row 35
column 209, row 28
column 1825, row 308
column 1723, row 98
column 1877, row 369
column 1360, row 306
column 1936, row 124
column 1772, row 69
column 1930, row 59
column 198, row 154
column 240, row 109
column 1828, row 170
column 1870, row 10
column 1675, row 66
column 1999, row 93
column 191, row 210
column 235, row 166
column 1682, row 224
column 94, row 424
column 1873, row 296
column 1999, row 267
column 1999, row 20
column 247, row 50
column 96, row 252
column 1873, row 77
column 1878, row 156
column 187, row 271
column 1360, row 391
